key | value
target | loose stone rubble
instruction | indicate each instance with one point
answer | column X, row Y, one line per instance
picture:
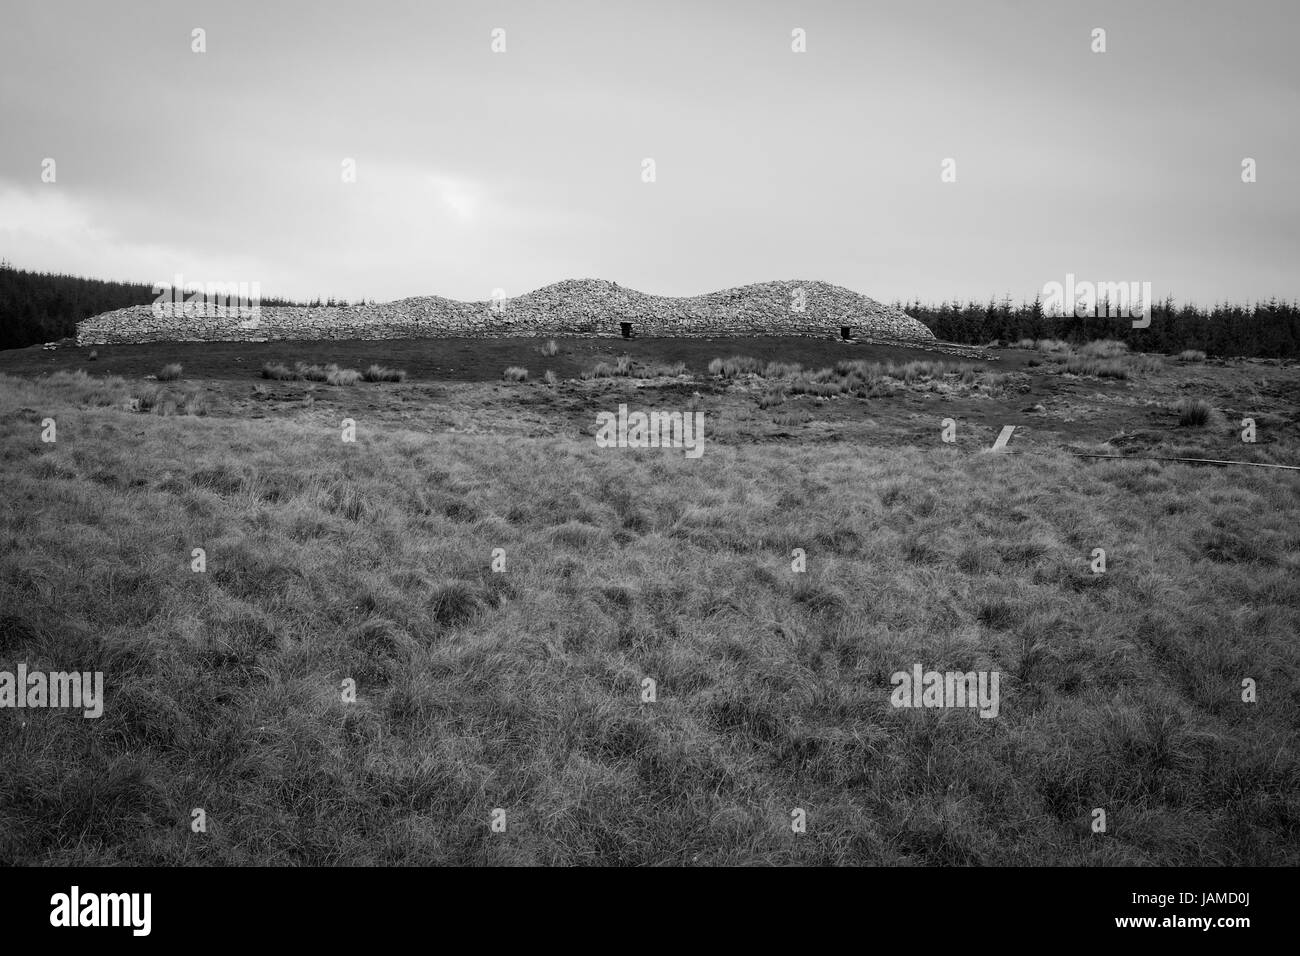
column 575, row 307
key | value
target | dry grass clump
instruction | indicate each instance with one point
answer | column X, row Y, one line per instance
column 162, row 400
column 1119, row 368
column 910, row 372
column 1193, row 413
column 845, row 377
column 626, row 367
column 992, row 381
column 782, row 369
column 735, row 366
column 791, row 419
column 341, row 376
column 862, row 379
column 379, row 373
column 1104, row 348
column 169, row 373
column 1101, row 349
column 550, row 348
column 329, row 374
column 82, row 389
column 663, row 370
column 312, row 373
column 807, row 385
column 516, row 374
column 620, row 369
column 1098, row 368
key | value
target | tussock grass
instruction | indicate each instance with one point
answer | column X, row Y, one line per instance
column 79, row 388
column 782, row 369
column 791, row 419
column 1193, row 413
column 521, row 689
column 735, row 366
column 379, row 373
column 341, row 376
column 162, row 400
column 1102, row 358
column 1097, row 349
column 1098, row 368
column 312, row 373
column 856, row 378
column 169, row 373
column 1103, row 348
column 550, row 348
column 626, row 367
column 620, row 369
column 989, row 380
column 455, row 603
column 803, row 385
column 516, row 374
column 329, row 374
column 1119, row 368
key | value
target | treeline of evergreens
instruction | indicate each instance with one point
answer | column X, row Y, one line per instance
column 38, row 307
column 1267, row 329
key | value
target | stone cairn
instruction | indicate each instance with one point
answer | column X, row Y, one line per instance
column 575, row 307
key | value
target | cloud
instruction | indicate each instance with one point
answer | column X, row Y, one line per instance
column 49, row 228
column 45, row 214
column 462, row 199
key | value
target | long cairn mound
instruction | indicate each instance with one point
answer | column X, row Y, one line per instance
column 572, row 307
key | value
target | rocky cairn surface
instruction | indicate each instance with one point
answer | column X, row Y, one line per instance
column 589, row 307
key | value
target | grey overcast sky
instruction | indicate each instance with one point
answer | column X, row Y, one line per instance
column 478, row 170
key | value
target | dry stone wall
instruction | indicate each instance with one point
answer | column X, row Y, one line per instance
column 574, row 307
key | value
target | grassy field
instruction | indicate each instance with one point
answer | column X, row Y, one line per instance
column 522, row 689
